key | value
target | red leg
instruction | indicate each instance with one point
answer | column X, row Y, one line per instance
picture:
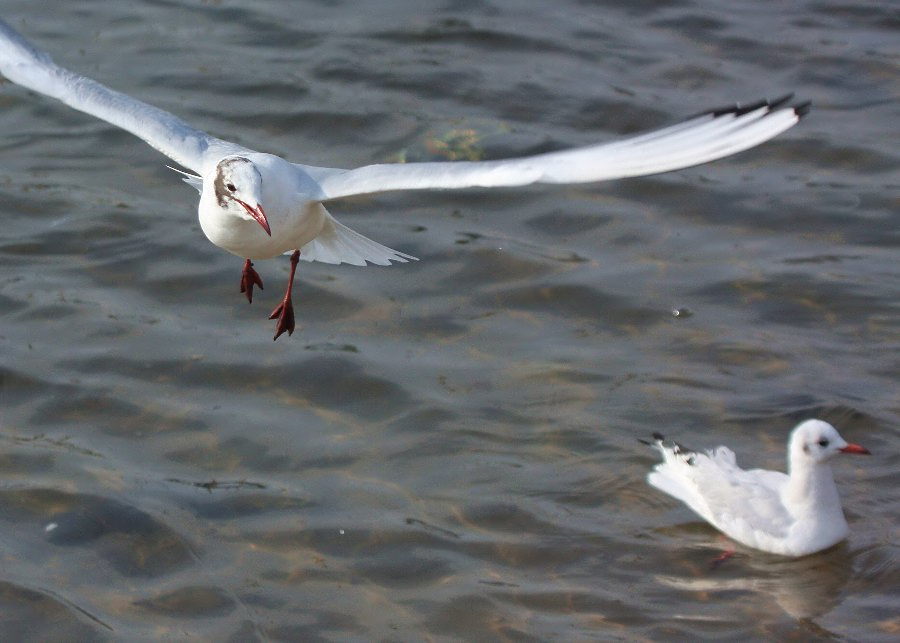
column 285, row 310
column 250, row 278
column 721, row 558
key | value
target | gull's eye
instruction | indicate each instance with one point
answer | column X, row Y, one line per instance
column 230, row 187
column 823, row 442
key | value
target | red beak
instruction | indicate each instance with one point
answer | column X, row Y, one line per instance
column 258, row 214
column 855, row 448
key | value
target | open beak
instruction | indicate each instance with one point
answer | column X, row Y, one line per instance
column 855, row 448
column 257, row 213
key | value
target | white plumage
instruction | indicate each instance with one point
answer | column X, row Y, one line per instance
column 792, row 515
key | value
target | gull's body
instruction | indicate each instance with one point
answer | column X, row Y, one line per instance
column 792, row 515
column 297, row 221
column 258, row 205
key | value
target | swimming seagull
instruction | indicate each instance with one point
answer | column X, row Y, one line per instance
column 791, row 515
column 258, row 205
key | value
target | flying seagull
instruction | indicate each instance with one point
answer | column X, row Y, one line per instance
column 257, row 205
column 792, row 515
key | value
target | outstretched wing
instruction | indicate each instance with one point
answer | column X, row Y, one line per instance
column 25, row 65
column 700, row 139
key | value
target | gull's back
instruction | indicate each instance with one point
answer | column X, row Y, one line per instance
column 745, row 505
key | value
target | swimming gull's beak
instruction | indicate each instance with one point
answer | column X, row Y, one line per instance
column 855, row 448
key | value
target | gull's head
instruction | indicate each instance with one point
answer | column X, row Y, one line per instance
column 818, row 441
column 238, row 187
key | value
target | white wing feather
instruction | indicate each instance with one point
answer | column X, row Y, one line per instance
column 745, row 505
column 21, row 63
column 700, row 139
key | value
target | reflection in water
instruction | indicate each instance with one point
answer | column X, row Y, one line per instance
column 805, row 588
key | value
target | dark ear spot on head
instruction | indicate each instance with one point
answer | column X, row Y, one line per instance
column 222, row 188
column 219, row 186
column 805, row 448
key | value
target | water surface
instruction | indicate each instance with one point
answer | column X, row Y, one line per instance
column 445, row 450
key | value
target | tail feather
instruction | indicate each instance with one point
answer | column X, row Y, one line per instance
column 339, row 244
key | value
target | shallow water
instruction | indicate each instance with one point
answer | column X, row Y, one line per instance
column 446, row 449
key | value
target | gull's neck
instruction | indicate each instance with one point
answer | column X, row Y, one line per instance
column 811, row 491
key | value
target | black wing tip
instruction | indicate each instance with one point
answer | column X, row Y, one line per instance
column 781, row 101
column 739, row 109
column 657, row 437
column 680, row 448
column 803, row 108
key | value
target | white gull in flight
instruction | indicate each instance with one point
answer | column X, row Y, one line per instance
column 257, row 205
column 791, row 515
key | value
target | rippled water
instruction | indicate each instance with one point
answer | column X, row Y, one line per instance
column 447, row 449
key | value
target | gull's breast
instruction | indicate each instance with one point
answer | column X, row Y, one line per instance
column 291, row 229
